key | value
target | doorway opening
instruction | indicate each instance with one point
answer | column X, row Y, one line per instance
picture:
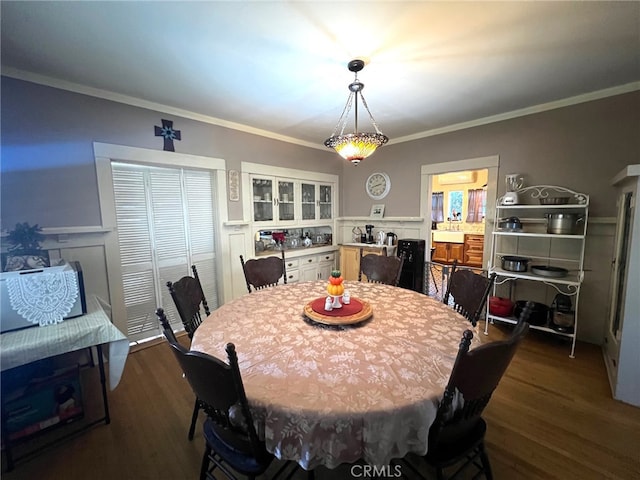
column 458, row 202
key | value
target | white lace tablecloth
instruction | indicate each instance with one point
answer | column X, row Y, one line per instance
column 326, row 396
column 94, row 328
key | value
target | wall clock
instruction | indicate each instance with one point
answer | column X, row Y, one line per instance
column 378, row 185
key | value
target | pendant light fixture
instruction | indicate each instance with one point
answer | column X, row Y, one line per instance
column 356, row 146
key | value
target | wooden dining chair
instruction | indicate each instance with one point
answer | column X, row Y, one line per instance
column 192, row 307
column 265, row 272
column 381, row 269
column 230, row 435
column 456, row 438
column 469, row 291
column 190, row 301
column 231, row 441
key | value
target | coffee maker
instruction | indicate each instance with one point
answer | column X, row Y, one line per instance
column 369, row 229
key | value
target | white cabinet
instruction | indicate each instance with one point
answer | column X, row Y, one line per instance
column 560, row 256
column 274, row 200
column 310, row 267
column 621, row 350
column 284, row 201
column 293, row 270
column 288, row 198
column 326, row 263
column 316, row 201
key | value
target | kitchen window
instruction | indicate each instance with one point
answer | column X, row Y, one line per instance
column 437, row 207
column 476, row 205
column 455, row 205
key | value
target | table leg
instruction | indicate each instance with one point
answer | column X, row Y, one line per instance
column 7, row 443
column 103, row 383
column 10, row 461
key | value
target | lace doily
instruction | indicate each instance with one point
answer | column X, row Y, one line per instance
column 43, row 298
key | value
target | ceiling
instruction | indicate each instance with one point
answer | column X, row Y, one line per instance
column 280, row 68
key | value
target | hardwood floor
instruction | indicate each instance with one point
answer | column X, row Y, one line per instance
column 551, row 417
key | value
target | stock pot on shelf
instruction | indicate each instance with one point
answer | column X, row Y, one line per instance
column 563, row 223
column 512, row 224
column 514, row 263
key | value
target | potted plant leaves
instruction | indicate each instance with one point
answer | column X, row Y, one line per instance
column 24, row 251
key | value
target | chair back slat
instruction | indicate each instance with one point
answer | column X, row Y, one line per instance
column 262, row 273
column 469, row 291
column 381, row 269
column 190, row 302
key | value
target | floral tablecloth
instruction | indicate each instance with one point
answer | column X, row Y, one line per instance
column 331, row 395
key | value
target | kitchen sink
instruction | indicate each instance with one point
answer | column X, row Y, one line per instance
column 448, row 236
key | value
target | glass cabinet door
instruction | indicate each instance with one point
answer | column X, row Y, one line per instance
column 262, row 200
column 308, row 201
column 326, row 202
column 286, row 200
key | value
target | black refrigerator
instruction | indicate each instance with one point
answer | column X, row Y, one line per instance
column 412, row 276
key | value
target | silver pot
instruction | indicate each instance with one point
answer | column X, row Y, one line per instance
column 563, row 223
column 511, row 223
column 514, row 264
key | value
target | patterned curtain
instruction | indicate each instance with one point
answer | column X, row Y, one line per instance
column 437, row 207
column 475, row 208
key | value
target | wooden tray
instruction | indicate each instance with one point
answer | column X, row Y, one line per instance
column 361, row 316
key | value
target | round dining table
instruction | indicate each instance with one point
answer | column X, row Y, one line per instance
column 325, row 394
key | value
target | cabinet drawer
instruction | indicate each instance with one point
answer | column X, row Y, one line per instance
column 474, row 239
column 308, row 261
column 293, row 276
column 292, row 264
column 327, row 257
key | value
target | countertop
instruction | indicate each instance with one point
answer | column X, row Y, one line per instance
column 391, row 250
column 299, row 251
column 323, row 248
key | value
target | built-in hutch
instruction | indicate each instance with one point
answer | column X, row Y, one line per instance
column 294, row 211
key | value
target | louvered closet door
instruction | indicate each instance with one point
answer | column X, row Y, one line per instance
column 201, row 229
column 165, row 224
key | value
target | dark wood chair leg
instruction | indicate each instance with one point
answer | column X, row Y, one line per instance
column 486, row 466
column 205, row 463
column 194, row 419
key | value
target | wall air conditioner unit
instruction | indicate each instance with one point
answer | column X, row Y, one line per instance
column 453, row 178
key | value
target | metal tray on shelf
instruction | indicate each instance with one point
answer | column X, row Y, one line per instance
column 553, row 272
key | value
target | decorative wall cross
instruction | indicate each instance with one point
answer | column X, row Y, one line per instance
column 168, row 133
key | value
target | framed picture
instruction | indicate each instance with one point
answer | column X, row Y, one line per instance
column 377, row 211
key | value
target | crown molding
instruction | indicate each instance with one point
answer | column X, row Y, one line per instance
column 137, row 102
column 566, row 102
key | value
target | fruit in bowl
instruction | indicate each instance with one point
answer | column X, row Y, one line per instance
column 335, row 286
